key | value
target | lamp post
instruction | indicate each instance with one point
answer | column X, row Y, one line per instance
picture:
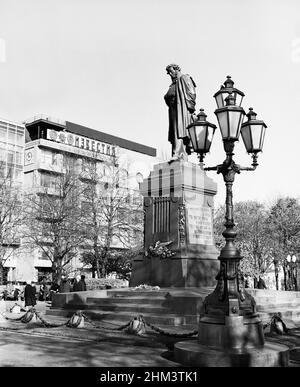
column 229, row 297
column 229, row 326
column 292, row 272
column 295, row 273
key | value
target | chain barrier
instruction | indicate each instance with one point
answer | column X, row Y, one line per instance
column 136, row 326
column 50, row 325
column 171, row 334
column 120, row 328
column 13, row 319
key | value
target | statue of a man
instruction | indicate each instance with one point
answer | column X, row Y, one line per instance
column 181, row 100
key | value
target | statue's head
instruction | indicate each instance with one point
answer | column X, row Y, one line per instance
column 173, row 70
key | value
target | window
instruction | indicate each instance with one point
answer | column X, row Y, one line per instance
column 20, row 137
column 48, row 181
column 10, row 157
column 10, row 172
column 18, row 158
column 3, row 133
column 18, row 173
column 3, row 154
column 54, row 158
column 11, row 135
column 46, row 157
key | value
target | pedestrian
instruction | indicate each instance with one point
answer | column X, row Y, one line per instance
column 54, row 288
column 261, row 284
column 76, row 285
column 30, row 295
column 44, row 290
column 82, row 283
column 16, row 294
column 65, row 286
column 5, row 294
column 79, row 284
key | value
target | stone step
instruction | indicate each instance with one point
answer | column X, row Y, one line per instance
column 164, row 319
column 137, row 293
column 133, row 307
column 126, row 300
column 276, row 307
column 285, row 312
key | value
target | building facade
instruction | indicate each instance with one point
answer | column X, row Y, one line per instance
column 49, row 143
column 12, row 145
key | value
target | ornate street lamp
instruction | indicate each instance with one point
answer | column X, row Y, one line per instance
column 253, row 134
column 201, row 133
column 229, row 323
column 225, row 90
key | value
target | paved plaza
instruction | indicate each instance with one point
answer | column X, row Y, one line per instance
column 32, row 345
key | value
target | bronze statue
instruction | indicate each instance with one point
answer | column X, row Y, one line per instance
column 181, row 100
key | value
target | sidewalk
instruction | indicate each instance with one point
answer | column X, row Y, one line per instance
column 33, row 345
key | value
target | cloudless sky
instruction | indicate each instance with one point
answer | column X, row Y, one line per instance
column 101, row 63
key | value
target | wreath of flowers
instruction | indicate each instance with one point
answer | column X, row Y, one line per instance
column 161, row 250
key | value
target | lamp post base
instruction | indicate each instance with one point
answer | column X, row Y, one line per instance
column 191, row 353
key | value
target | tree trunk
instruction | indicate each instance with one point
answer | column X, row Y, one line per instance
column 276, row 275
column 56, row 271
column 276, row 281
column 255, row 283
column 98, row 271
column 94, row 270
column 285, row 278
column 1, row 274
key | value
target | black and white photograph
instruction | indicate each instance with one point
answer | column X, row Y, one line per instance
column 149, row 188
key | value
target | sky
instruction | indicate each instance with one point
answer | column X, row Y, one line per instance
column 101, row 63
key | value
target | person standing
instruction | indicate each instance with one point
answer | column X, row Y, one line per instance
column 44, row 291
column 30, row 295
column 181, row 100
column 64, row 286
column 76, row 285
column 79, row 284
column 82, row 283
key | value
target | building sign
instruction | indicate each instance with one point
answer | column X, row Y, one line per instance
column 199, row 225
column 80, row 142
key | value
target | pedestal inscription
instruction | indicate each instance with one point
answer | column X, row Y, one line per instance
column 199, row 225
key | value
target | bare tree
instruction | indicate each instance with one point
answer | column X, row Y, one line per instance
column 10, row 217
column 114, row 216
column 253, row 237
column 284, row 227
column 54, row 221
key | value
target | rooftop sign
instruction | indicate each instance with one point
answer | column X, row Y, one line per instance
column 81, row 142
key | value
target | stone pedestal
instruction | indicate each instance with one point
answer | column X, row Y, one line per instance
column 179, row 249
column 191, row 353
